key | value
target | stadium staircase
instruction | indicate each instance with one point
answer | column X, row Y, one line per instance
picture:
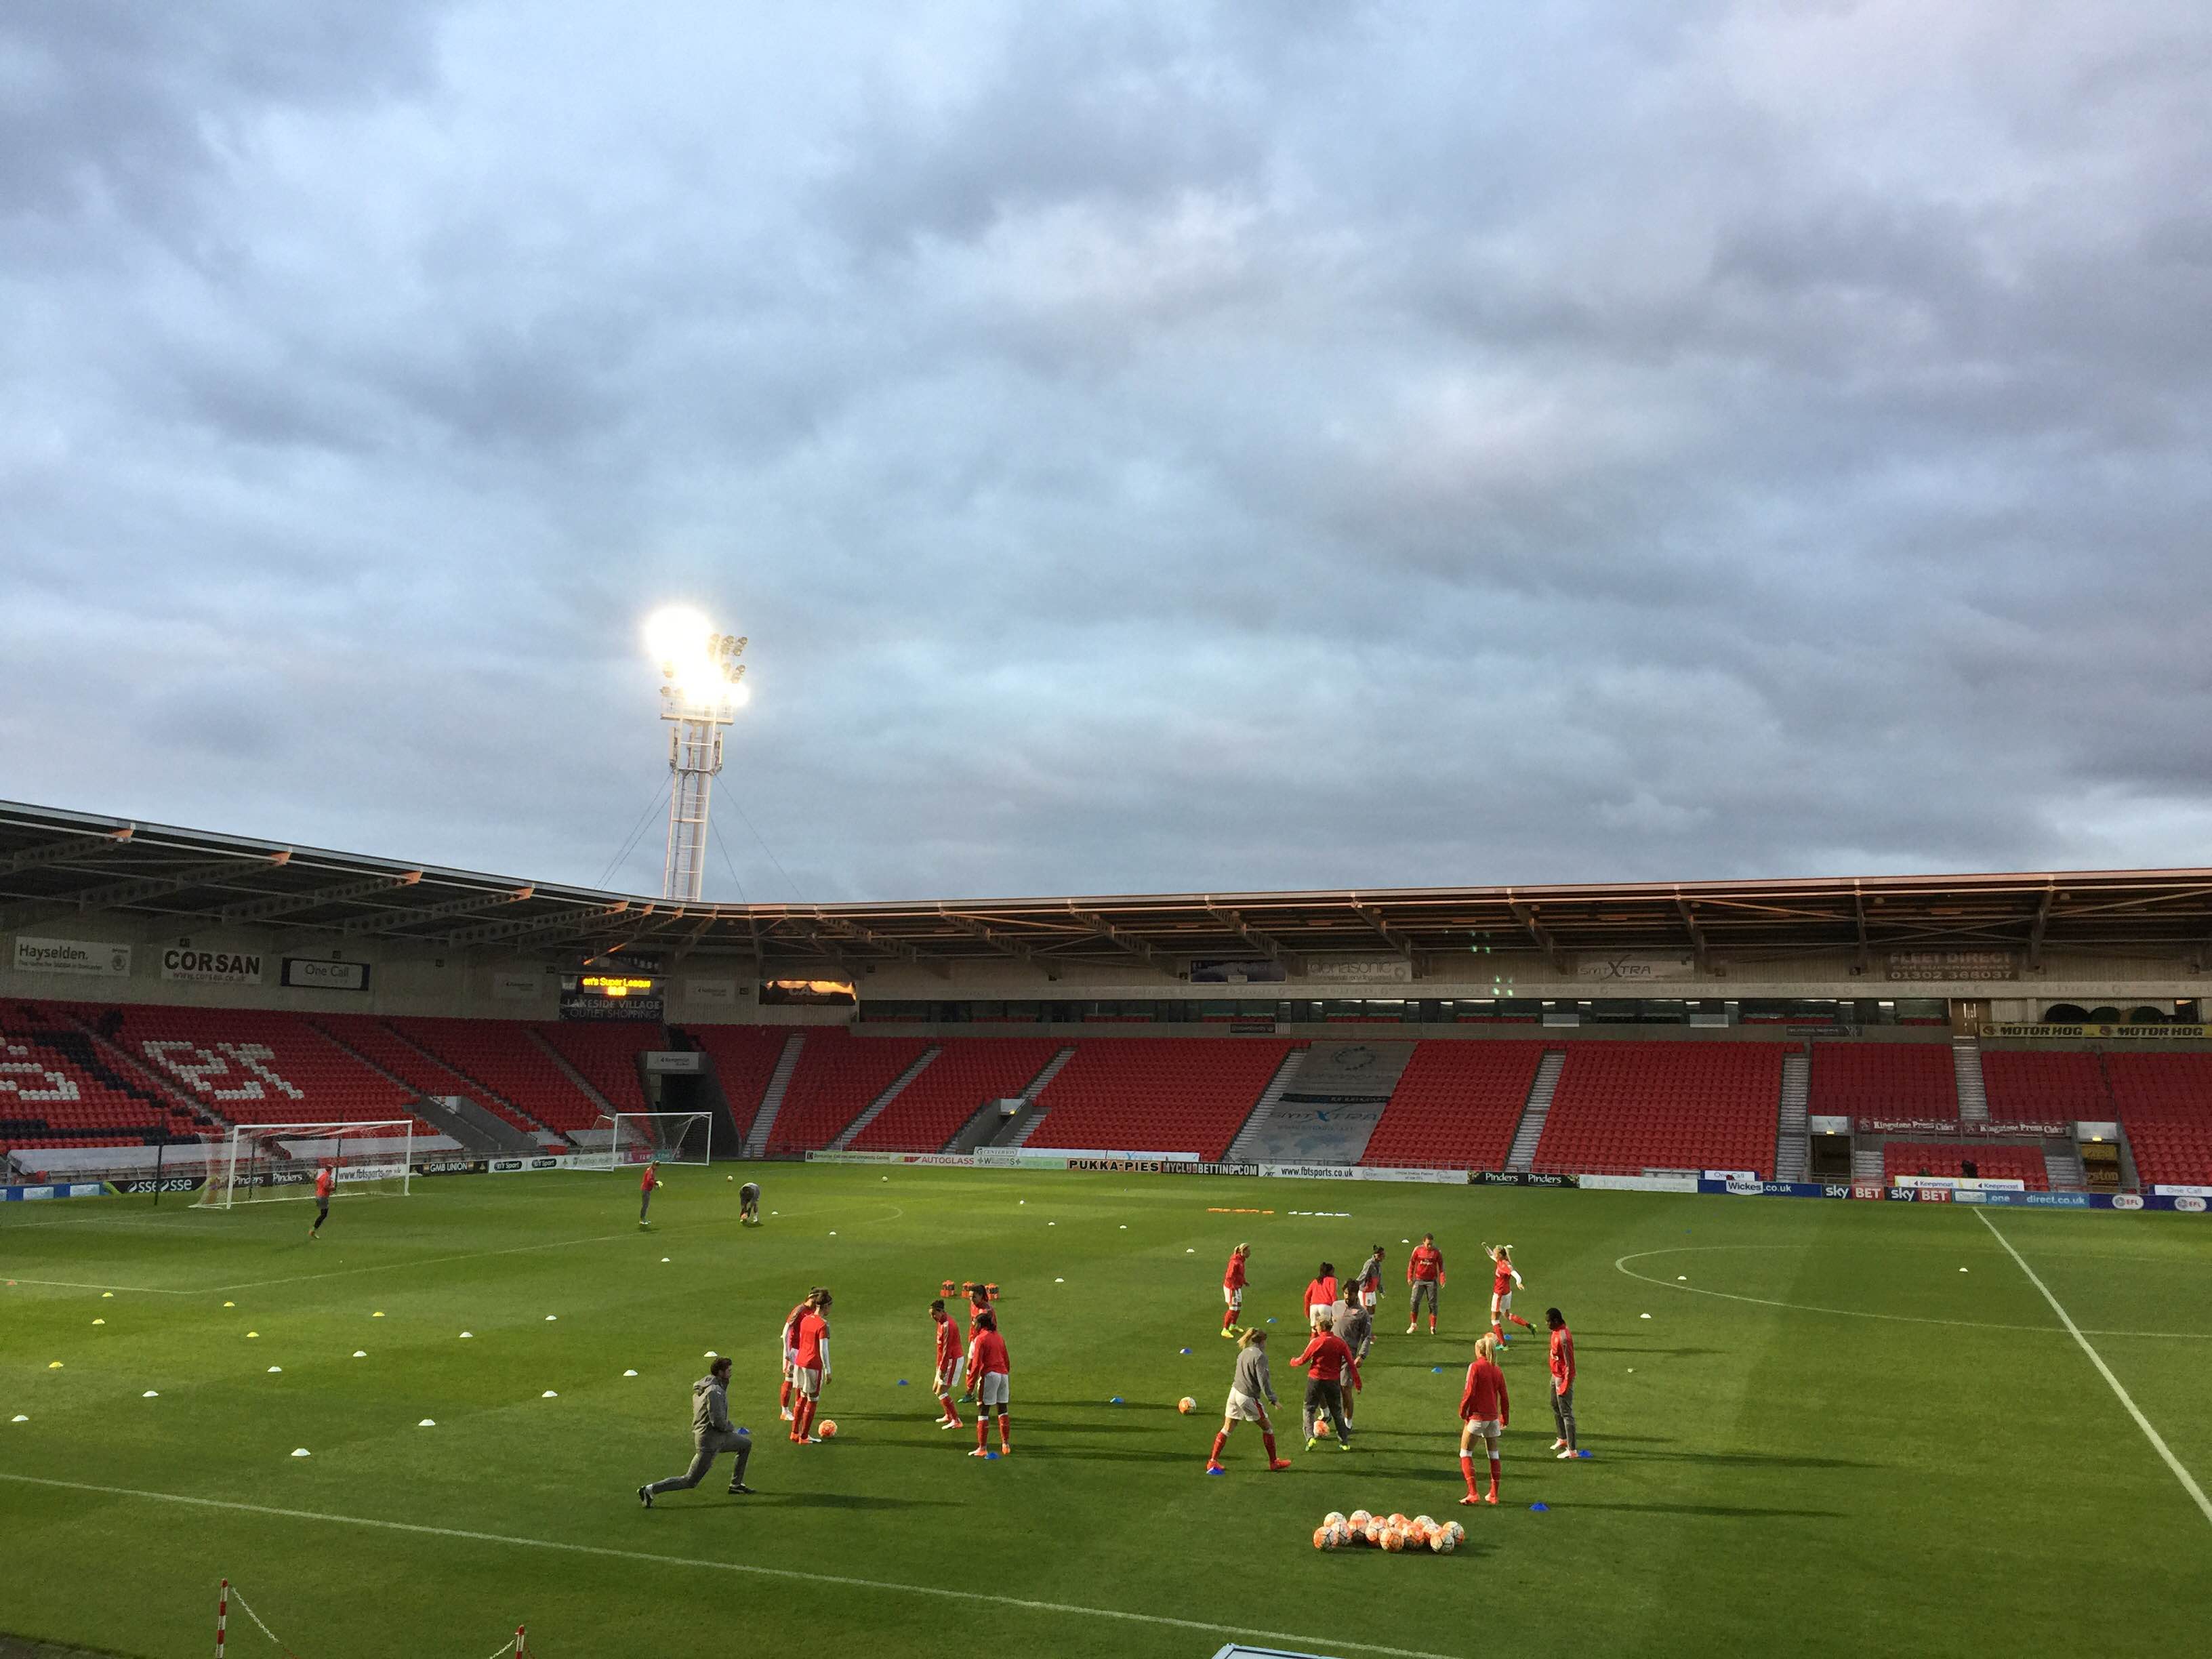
column 1246, row 1148
column 843, row 1139
column 473, row 1128
column 524, row 1121
column 1868, row 1167
column 131, row 1068
column 2061, row 1164
column 584, row 1085
column 985, row 1126
column 1017, row 1132
column 772, row 1101
column 1791, row 1147
column 1523, row 1154
column 1973, row 1094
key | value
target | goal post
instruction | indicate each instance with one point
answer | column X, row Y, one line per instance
column 263, row 1163
column 622, row 1140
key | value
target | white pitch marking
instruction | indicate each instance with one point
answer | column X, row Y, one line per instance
column 840, row 1581
column 1620, row 1265
column 2158, row 1441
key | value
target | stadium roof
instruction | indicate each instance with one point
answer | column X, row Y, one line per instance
column 58, row 865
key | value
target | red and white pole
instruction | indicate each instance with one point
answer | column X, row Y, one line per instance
column 221, row 1615
column 517, row 1641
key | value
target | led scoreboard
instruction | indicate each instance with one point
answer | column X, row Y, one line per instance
column 608, row 993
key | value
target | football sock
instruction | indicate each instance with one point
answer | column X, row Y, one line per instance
column 1466, row 1468
column 1493, row 1478
column 1498, row 1330
column 983, row 1431
column 783, row 1399
column 1222, row 1439
column 1005, row 1432
column 1521, row 1323
column 1267, row 1440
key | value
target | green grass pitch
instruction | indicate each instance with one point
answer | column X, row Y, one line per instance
column 1826, row 1437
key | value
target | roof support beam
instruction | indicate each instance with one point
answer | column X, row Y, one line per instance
column 897, row 947
column 69, row 850
column 1266, row 945
column 283, row 904
column 1689, row 913
column 2042, row 922
column 975, row 929
column 391, row 920
column 122, row 894
column 1106, row 930
column 578, row 920
column 1527, row 916
column 1391, row 936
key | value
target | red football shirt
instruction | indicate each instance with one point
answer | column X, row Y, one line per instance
column 1330, row 1359
column 813, row 1332
column 988, row 1356
column 649, row 1179
column 1563, row 1359
column 1502, row 1280
column 1233, row 1278
column 948, row 1342
column 1484, row 1399
column 1321, row 1292
column 324, row 1181
column 1427, row 1261
column 791, row 1324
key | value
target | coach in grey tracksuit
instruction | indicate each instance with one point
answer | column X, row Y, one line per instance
column 1357, row 1327
column 711, row 1434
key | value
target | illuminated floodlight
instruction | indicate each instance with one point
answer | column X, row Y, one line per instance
column 701, row 685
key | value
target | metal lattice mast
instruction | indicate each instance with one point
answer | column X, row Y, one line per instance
column 702, row 686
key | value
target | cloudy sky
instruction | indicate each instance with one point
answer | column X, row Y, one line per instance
column 1150, row 447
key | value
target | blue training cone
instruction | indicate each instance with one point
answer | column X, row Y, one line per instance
column 902, row 1381
column 1115, row 1401
column 1541, row 1508
column 1186, row 1350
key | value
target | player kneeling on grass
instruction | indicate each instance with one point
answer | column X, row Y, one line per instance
column 992, row 1373
column 1484, row 1412
column 1563, row 1382
column 749, row 1204
column 711, row 1435
column 810, row 1368
column 1331, row 1361
column 948, row 1363
column 1250, row 1386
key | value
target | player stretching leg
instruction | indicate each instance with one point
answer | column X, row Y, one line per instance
column 1503, row 1284
column 1563, row 1382
column 324, row 1179
column 1484, row 1412
column 948, row 1362
column 1331, row 1361
column 1424, row 1272
column 1320, row 1295
column 1233, row 1289
column 711, row 1435
column 791, row 1350
column 645, row 1184
column 1250, row 1386
column 810, row 1369
column 749, row 1204
column 993, row 1374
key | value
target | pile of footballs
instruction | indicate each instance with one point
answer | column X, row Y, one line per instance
column 1394, row 1533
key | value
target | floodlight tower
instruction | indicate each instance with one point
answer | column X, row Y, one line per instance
column 703, row 684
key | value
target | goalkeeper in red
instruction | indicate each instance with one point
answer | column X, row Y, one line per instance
column 1483, row 1413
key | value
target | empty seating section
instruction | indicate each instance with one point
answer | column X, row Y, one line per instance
column 838, row 1077
column 378, row 1044
column 1888, row 1082
column 502, row 1055
column 930, row 1110
column 2029, row 1087
column 1997, row 1163
column 56, row 1089
column 1456, row 1106
column 1140, row 1095
column 250, row 1066
column 744, row 1058
column 2165, row 1105
column 604, row 1053
column 1623, row 1108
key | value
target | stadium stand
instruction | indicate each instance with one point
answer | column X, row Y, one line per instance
column 2045, row 1087
column 57, row 1090
column 1623, row 1108
column 1456, row 1106
column 743, row 1058
column 1888, row 1082
column 2165, row 1105
column 838, row 1077
column 929, row 1111
column 382, row 1047
column 605, row 1055
column 255, row 1066
column 499, row 1054
column 1148, row 1095
column 1991, row 1162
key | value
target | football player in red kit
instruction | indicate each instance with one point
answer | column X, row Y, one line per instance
column 325, row 1178
column 1320, row 1295
column 791, row 1350
column 1424, row 1272
column 1232, row 1290
column 810, row 1368
column 1483, row 1413
column 948, row 1362
column 1503, row 1282
column 992, row 1373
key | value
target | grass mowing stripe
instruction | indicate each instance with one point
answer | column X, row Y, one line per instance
column 793, row 1573
column 2158, row 1441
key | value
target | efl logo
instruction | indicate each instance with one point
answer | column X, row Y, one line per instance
column 2127, row 1201
column 2189, row 1206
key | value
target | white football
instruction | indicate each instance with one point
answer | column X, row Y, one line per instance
column 1443, row 1540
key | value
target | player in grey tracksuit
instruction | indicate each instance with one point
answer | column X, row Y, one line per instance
column 711, row 1434
column 1357, row 1327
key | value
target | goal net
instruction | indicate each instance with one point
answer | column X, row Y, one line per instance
column 264, row 1162
column 624, row 1140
